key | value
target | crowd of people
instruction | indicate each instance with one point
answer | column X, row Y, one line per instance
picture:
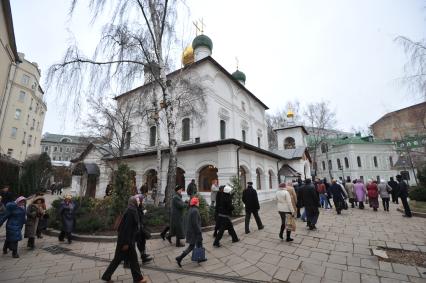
column 292, row 197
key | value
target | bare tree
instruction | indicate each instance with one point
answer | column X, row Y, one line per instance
column 415, row 68
column 137, row 39
column 318, row 117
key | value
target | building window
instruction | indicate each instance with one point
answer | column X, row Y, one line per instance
column 67, row 149
column 323, row 165
column 258, row 141
column 55, row 149
column 22, row 96
column 391, row 161
column 243, row 106
column 46, row 149
column 30, row 137
column 185, row 129
column 60, row 149
column 339, row 165
column 152, row 135
column 358, row 160
column 258, row 179
column 243, row 134
column 405, row 175
column 28, row 119
column 25, row 136
column 270, row 179
column 25, row 79
column 33, row 124
column 9, row 152
column 324, row 148
column 222, row 130
column 346, row 162
column 127, row 140
column 375, row 161
column 289, row 143
column 18, row 114
column 72, row 150
column 13, row 132
column 330, row 165
column 54, row 158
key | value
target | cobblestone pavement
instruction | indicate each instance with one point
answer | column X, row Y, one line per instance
column 339, row 251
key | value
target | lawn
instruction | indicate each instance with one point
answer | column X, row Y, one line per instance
column 418, row 206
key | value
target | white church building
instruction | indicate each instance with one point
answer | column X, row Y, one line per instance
column 231, row 141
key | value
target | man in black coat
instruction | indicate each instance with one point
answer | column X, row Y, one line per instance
column 338, row 196
column 251, row 203
column 125, row 248
column 403, row 194
column 191, row 190
column 309, row 199
column 395, row 190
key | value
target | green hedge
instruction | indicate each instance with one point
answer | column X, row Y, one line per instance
column 417, row 193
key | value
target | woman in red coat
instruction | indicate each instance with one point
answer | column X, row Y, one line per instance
column 373, row 195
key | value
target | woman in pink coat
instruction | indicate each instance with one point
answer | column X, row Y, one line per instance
column 360, row 192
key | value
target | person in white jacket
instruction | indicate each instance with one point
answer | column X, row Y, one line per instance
column 286, row 209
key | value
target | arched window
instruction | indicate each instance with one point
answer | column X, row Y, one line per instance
column 185, row 129
column 243, row 177
column 390, row 161
column 152, row 135
column 323, row 148
column 270, row 179
column 358, row 160
column 258, row 179
column 243, row 134
column 375, row 161
column 207, row 175
column 315, row 165
column 289, row 143
column 346, row 162
column 339, row 164
column 330, row 165
column 222, row 129
column 323, row 165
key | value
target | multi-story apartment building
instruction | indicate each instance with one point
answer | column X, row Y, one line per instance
column 63, row 147
column 23, row 111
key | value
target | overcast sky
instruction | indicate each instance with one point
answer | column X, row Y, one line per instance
column 342, row 51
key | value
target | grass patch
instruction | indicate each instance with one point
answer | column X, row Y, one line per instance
column 418, row 206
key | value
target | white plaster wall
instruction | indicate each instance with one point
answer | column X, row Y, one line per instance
column 296, row 133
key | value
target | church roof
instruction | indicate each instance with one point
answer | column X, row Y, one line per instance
column 202, row 61
column 292, row 127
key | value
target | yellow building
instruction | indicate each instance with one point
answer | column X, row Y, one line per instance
column 22, row 109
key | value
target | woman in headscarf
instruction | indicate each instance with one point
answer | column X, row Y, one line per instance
column 67, row 214
column 286, row 208
column 360, row 193
column 34, row 213
column 15, row 216
column 125, row 249
column 193, row 230
column 373, row 195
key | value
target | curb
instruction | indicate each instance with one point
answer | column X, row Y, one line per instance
column 417, row 214
column 106, row 239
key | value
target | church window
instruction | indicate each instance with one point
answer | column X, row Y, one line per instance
column 358, row 160
column 271, row 174
column 206, row 177
column 324, row 148
column 127, row 140
column 152, row 135
column 375, row 161
column 243, row 133
column 289, row 143
column 258, row 179
column 339, row 164
column 391, row 161
column 346, row 162
column 323, row 165
column 222, row 129
column 330, row 165
column 185, row 129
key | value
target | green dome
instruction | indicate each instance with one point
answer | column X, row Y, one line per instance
column 202, row 40
column 239, row 76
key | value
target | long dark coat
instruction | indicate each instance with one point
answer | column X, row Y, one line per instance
column 308, row 197
column 176, row 217
column 193, row 226
column 337, row 193
column 250, row 199
column 33, row 216
column 67, row 214
column 15, row 217
column 128, row 228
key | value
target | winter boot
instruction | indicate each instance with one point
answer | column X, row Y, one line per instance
column 146, row 258
column 178, row 243
column 281, row 232
column 15, row 254
column 30, row 243
column 288, row 236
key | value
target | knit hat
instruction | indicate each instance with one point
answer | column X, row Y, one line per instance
column 178, row 187
column 250, row 183
column 18, row 200
column 194, row 202
column 227, row 189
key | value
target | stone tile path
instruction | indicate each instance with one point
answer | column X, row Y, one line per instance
column 339, row 251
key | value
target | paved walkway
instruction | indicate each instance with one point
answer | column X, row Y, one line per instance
column 339, row 251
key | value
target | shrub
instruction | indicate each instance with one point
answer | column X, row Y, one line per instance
column 122, row 190
column 237, row 195
column 36, row 171
column 156, row 215
column 207, row 216
column 418, row 193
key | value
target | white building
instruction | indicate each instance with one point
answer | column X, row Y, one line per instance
column 357, row 157
column 230, row 140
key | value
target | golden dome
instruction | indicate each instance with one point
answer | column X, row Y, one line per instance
column 188, row 56
column 290, row 114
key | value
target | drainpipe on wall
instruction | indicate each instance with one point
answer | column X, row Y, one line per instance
column 238, row 163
